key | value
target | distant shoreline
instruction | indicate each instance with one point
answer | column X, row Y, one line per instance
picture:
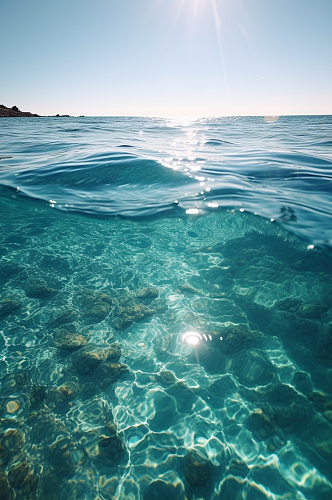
column 15, row 112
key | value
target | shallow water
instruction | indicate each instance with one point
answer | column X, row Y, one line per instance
column 161, row 357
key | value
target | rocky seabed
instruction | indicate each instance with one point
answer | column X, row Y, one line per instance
column 103, row 398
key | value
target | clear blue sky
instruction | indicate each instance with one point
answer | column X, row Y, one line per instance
column 167, row 57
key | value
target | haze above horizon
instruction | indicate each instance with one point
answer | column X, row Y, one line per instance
column 167, row 57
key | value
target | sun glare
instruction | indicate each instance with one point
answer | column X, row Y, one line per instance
column 191, row 338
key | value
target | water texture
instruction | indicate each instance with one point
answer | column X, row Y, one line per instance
column 278, row 168
column 161, row 337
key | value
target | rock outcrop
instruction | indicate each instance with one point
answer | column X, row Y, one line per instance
column 14, row 111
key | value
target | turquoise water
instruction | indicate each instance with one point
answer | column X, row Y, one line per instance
column 161, row 336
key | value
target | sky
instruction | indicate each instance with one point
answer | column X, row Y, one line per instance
column 166, row 57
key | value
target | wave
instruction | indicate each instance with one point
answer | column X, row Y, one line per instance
column 216, row 142
column 145, row 167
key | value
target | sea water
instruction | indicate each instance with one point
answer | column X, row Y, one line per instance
column 166, row 308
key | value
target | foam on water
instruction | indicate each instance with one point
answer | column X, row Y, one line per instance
column 166, row 357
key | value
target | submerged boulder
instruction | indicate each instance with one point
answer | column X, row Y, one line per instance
column 161, row 489
column 66, row 456
column 252, row 367
column 149, row 292
column 198, row 469
column 69, row 341
column 8, row 269
column 86, row 360
column 38, row 289
column 237, row 337
column 129, row 313
column 58, row 397
column 186, row 287
column 8, row 306
column 6, row 492
column 65, row 317
column 100, row 362
column 111, row 447
column 23, row 481
column 95, row 305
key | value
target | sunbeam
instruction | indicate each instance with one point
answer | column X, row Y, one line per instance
column 217, row 23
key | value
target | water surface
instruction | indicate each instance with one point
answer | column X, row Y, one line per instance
column 161, row 336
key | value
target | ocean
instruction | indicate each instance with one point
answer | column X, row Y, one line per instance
column 166, row 308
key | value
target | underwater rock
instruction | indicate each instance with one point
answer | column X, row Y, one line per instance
column 55, row 262
column 4, row 455
column 231, row 488
column 166, row 377
column 147, row 293
column 302, row 382
column 223, row 387
column 160, row 489
column 8, row 306
column 165, row 412
column 324, row 448
column 286, row 416
column 111, row 428
column 261, row 425
column 50, row 485
column 38, row 289
column 98, row 311
column 69, row 341
column 237, row 337
column 45, row 427
column 12, row 407
column 128, row 309
column 66, row 456
column 321, row 400
column 325, row 343
column 328, row 415
column 312, row 311
column 65, row 317
column 62, row 395
column 308, row 311
column 289, row 304
column 186, row 287
column 159, row 306
column 37, row 396
column 23, row 481
column 107, row 373
column 306, row 326
column 126, row 315
column 15, row 381
column 216, row 294
column 86, row 360
column 96, row 305
column 265, row 421
column 6, row 492
column 197, row 469
column 8, row 269
column 163, row 344
column 251, row 367
column 319, row 437
column 237, row 467
column 12, row 440
column 111, row 448
column 234, row 488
